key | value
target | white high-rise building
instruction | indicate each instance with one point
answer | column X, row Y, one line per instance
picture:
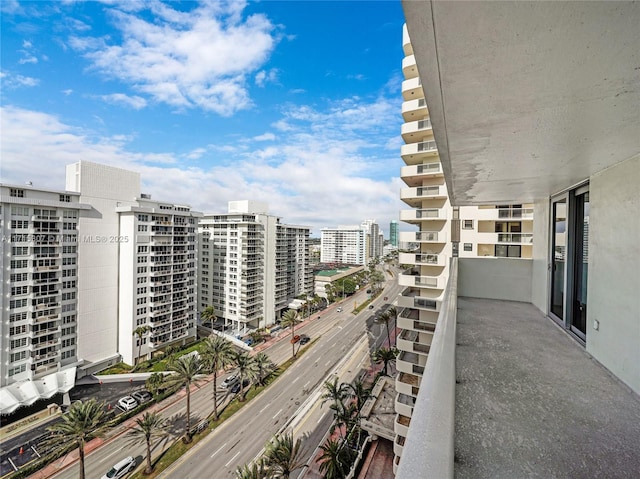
column 251, row 266
column 136, row 268
column 38, row 271
column 351, row 244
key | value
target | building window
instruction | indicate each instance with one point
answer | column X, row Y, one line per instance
column 468, row 247
column 16, row 193
column 467, row 225
column 508, row 251
column 65, row 198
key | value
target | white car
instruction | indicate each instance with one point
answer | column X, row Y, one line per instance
column 127, row 403
column 339, row 310
column 230, row 381
column 125, row 466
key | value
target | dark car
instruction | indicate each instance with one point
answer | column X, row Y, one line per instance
column 371, row 306
column 236, row 387
column 304, row 339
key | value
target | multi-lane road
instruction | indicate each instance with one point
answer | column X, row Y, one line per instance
column 341, row 344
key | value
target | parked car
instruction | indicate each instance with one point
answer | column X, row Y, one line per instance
column 339, row 310
column 230, row 381
column 304, row 339
column 236, row 387
column 124, row 467
column 248, row 341
column 142, row 396
column 127, row 403
column 295, row 339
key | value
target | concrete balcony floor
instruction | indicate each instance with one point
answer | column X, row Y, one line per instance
column 531, row 402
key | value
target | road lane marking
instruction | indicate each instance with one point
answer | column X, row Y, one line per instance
column 305, row 385
column 231, row 460
column 321, row 417
column 277, row 414
column 220, row 449
column 327, row 363
column 262, row 410
column 293, row 382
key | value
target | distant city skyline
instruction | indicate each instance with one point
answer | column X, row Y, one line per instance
column 292, row 103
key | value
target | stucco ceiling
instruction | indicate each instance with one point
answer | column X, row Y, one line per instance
column 528, row 98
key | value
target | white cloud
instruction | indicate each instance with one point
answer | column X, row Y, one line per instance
column 265, row 137
column 323, row 172
column 68, row 91
column 187, row 59
column 266, row 76
column 10, row 80
column 135, row 102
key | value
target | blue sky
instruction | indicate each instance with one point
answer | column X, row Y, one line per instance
column 294, row 103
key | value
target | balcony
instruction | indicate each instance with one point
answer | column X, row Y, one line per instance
column 515, row 389
column 412, row 89
column 423, row 236
column 409, row 68
column 422, row 259
column 414, row 109
column 414, row 175
column 418, row 216
column 415, row 153
column 416, row 131
column 421, row 281
column 415, row 196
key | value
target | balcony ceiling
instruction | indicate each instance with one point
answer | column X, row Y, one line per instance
column 528, row 98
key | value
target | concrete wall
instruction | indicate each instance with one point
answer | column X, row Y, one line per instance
column 613, row 290
column 540, row 270
column 495, row 278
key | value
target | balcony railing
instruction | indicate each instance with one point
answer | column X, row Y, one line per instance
column 515, row 238
column 429, row 448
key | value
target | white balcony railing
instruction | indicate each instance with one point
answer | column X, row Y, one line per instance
column 429, row 447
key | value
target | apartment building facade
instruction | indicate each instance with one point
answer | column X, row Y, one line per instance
column 38, row 272
column 251, row 265
column 356, row 245
column 136, row 268
column 430, row 211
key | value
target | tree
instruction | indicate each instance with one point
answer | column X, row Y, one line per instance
column 283, row 455
column 335, row 459
column 263, row 364
column 154, row 383
column 81, row 422
column 140, row 331
column 289, row 320
column 208, row 315
column 385, row 356
column 392, row 312
column 335, row 392
column 385, row 318
column 217, row 354
column 247, row 368
column 187, row 370
column 151, row 425
column 359, row 393
column 257, row 470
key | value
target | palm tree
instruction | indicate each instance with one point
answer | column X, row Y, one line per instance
column 151, row 425
column 359, row 393
column 187, row 370
column 217, row 354
column 247, row 368
column 257, row 470
column 283, row 455
column 140, row 331
column 386, row 317
column 154, row 383
column 81, row 422
column 392, row 312
column 263, row 363
column 335, row 459
column 209, row 315
column 335, row 392
column 385, row 356
column 289, row 320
